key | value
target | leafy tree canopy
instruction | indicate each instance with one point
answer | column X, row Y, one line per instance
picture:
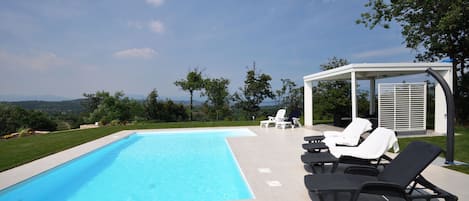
column 256, row 89
column 116, row 107
column 437, row 28
column 334, row 96
column 193, row 82
column 14, row 118
column 440, row 27
column 152, row 108
column 217, row 103
column 290, row 96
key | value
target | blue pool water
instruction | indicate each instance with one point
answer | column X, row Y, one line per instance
column 144, row 167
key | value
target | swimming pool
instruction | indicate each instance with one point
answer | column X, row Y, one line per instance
column 195, row 165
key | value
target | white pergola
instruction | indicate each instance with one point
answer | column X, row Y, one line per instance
column 372, row 72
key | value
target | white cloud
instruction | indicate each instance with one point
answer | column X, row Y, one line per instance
column 145, row 53
column 155, row 3
column 38, row 61
column 156, row 26
column 381, row 52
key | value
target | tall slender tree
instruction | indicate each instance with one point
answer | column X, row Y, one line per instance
column 193, row 82
column 255, row 90
column 152, row 108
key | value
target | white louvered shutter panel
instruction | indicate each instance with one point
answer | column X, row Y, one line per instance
column 402, row 106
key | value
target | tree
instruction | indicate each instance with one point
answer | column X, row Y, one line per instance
column 334, row 96
column 290, row 96
column 14, row 118
column 171, row 112
column 152, row 108
column 256, row 89
column 92, row 100
column 116, row 107
column 439, row 28
column 193, row 82
column 217, row 94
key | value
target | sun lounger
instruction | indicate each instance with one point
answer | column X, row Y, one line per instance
column 350, row 136
column 397, row 176
column 279, row 117
column 371, row 149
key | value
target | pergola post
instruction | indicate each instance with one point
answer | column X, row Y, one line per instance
column 308, row 103
column 440, row 112
column 372, row 96
column 450, row 110
column 354, row 95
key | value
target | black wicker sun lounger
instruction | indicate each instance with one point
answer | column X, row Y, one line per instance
column 395, row 179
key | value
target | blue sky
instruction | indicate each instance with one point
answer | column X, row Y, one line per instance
column 67, row 48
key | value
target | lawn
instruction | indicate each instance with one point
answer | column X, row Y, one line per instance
column 18, row 151
column 461, row 146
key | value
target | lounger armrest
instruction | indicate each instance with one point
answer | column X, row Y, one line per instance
column 271, row 118
column 382, row 188
column 362, row 170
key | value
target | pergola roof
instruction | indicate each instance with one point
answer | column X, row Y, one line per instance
column 367, row 71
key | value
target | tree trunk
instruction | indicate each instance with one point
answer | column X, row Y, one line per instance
column 190, row 107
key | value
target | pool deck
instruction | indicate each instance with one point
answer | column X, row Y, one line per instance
column 279, row 151
column 270, row 162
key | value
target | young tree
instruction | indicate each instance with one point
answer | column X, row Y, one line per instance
column 439, row 28
column 290, row 96
column 152, row 108
column 217, row 94
column 334, row 96
column 256, row 89
column 193, row 82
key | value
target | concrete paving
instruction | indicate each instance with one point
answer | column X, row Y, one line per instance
column 279, row 150
column 270, row 162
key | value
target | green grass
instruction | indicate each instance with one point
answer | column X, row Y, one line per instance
column 18, row 151
column 461, row 148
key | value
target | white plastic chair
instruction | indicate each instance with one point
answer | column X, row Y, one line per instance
column 279, row 117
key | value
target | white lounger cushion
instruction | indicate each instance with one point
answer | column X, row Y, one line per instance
column 350, row 135
column 373, row 147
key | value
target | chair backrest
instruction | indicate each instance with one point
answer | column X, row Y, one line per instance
column 409, row 163
column 280, row 114
column 378, row 142
column 352, row 132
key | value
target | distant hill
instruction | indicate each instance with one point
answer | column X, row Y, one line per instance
column 51, row 107
column 15, row 98
column 70, row 106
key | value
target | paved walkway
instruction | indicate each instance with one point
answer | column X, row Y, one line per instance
column 269, row 161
